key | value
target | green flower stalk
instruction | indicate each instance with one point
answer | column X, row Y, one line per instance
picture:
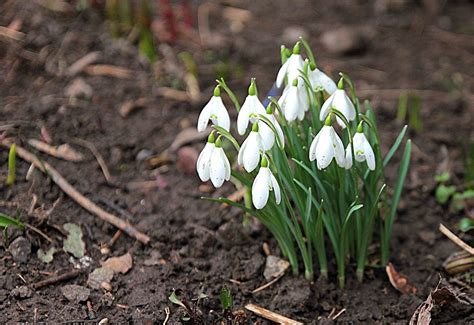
column 313, row 167
column 11, row 165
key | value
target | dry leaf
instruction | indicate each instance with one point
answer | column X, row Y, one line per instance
column 438, row 297
column 399, row 281
column 120, row 264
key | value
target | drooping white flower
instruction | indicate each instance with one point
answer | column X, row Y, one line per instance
column 266, row 133
column 262, row 185
column 214, row 111
column 203, row 163
column 249, row 153
column 320, row 80
column 362, row 150
column 327, row 145
column 219, row 167
column 250, row 109
column 340, row 101
column 294, row 101
column 291, row 67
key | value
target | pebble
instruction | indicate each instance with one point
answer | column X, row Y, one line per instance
column 99, row 275
column 22, row 292
column 75, row 293
column 347, row 39
column 274, row 267
column 20, row 248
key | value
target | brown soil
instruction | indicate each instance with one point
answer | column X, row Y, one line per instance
column 203, row 247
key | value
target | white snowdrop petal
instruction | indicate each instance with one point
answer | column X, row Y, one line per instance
column 251, row 155
column 369, row 155
column 294, row 66
column 324, row 148
column 227, row 168
column 279, row 130
column 338, row 148
column 348, row 158
column 276, row 188
column 291, row 105
column 326, row 106
column 314, row 145
column 260, row 188
column 203, row 162
column 205, row 115
column 359, row 148
column 327, row 83
column 282, row 73
column 267, row 136
column 217, row 167
column 223, row 119
column 240, row 156
column 243, row 117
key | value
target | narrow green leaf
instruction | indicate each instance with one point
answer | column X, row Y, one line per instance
column 395, row 146
column 174, row 299
column 225, row 298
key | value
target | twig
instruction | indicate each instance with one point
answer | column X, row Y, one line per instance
column 39, row 232
column 108, row 70
column 78, row 197
column 98, row 157
column 270, row 315
column 168, row 313
column 339, row 314
column 63, row 151
column 455, row 239
column 266, row 285
column 58, row 278
column 11, row 33
column 82, row 63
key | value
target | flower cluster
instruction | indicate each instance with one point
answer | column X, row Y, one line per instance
column 316, row 152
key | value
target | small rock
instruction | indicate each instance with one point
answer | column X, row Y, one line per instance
column 291, row 34
column 99, row 275
column 274, row 267
column 106, row 286
column 22, row 292
column 120, row 264
column 46, row 257
column 143, row 154
column 74, row 243
column 104, row 321
column 78, row 88
column 75, row 293
column 20, row 248
column 186, row 160
column 347, row 39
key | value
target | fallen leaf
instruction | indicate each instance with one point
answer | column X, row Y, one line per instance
column 399, row 281
column 438, row 297
column 48, row 256
column 120, row 264
column 73, row 243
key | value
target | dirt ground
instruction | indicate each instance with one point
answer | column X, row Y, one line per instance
column 196, row 247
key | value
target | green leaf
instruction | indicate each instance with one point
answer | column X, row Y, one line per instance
column 227, row 135
column 174, row 299
column 226, row 299
column 443, row 193
column 466, row 224
column 6, row 221
column 395, row 146
column 459, row 198
column 443, row 177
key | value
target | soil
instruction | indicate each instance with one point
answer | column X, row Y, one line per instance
column 197, row 247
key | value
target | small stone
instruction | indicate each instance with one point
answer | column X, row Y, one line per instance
column 99, row 275
column 20, row 248
column 22, row 292
column 75, row 293
column 74, row 243
column 186, row 160
column 347, row 39
column 143, row 154
column 274, row 267
column 106, row 286
column 104, row 321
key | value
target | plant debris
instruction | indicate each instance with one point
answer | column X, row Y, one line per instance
column 74, row 243
column 399, row 281
column 120, row 264
column 46, row 257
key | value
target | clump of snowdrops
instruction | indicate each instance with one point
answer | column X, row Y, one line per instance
column 311, row 164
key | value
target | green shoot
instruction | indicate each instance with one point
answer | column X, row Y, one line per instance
column 11, row 165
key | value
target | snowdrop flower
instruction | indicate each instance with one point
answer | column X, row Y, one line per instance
column 291, row 67
column 362, row 150
column 266, row 133
column 327, row 145
column 214, row 111
column 294, row 101
column 219, row 166
column 250, row 109
column 320, row 80
column 203, row 163
column 249, row 153
column 341, row 102
column 263, row 184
